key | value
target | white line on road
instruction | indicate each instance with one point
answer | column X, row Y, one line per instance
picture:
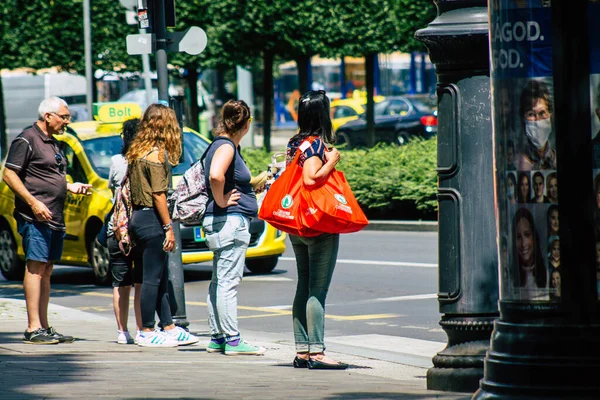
column 376, row 262
column 369, row 301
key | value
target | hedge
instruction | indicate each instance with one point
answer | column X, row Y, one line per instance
column 389, row 182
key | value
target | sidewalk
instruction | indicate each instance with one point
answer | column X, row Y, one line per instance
column 95, row 367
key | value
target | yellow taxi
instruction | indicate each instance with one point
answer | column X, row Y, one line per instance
column 350, row 109
column 88, row 147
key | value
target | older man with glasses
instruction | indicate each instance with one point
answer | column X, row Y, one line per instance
column 36, row 172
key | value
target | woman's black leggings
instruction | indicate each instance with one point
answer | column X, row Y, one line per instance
column 147, row 233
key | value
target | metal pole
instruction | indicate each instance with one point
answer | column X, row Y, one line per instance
column 160, row 31
column 87, row 38
column 146, row 74
column 457, row 41
column 176, row 279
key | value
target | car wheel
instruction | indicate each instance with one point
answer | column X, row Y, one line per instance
column 342, row 140
column 12, row 268
column 99, row 260
column 402, row 138
column 262, row 265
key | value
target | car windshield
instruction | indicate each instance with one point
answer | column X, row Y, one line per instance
column 421, row 106
column 100, row 150
column 380, row 108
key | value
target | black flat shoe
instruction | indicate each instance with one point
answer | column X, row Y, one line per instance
column 316, row 364
column 300, row 362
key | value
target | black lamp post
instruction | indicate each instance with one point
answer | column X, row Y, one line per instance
column 457, row 41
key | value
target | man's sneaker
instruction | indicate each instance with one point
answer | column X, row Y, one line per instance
column 214, row 347
column 182, row 336
column 156, row 339
column 242, row 348
column 124, row 337
column 39, row 336
column 58, row 336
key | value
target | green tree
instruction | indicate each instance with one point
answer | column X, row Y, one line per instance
column 365, row 28
column 413, row 15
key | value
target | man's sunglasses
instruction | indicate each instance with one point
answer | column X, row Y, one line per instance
column 59, row 163
column 64, row 117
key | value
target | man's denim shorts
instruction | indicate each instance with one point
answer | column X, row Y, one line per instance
column 40, row 242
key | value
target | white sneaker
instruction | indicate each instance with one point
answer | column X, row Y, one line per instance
column 182, row 336
column 156, row 339
column 138, row 334
column 124, row 338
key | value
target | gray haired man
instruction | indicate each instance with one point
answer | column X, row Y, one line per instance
column 36, row 172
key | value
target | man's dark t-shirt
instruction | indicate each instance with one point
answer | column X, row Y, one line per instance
column 38, row 161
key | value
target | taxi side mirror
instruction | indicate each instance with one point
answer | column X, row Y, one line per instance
column 69, row 179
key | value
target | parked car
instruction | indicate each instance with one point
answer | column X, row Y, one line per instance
column 397, row 120
column 350, row 109
column 88, row 147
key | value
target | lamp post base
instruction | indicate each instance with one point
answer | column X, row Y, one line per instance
column 529, row 360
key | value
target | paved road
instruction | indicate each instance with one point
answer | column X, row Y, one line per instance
column 381, row 318
column 384, row 284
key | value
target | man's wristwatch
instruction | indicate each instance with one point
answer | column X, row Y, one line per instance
column 167, row 226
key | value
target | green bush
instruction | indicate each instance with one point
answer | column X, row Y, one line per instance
column 389, row 182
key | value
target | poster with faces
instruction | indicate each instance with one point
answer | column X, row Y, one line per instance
column 525, row 149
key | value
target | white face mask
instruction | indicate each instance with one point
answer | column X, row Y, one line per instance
column 511, row 192
column 538, row 132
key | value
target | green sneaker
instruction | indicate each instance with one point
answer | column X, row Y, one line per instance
column 244, row 349
column 215, row 347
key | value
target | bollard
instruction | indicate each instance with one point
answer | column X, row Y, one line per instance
column 457, row 41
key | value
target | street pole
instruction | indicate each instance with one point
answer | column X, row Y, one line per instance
column 160, row 32
column 146, row 74
column 457, row 41
column 87, row 39
column 176, row 278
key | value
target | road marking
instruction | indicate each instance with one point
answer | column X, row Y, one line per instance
column 396, row 344
column 376, row 262
column 262, row 278
column 360, row 317
column 273, row 312
column 369, row 301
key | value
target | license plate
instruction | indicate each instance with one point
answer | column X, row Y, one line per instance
column 199, row 234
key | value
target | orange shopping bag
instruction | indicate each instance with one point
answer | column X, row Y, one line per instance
column 281, row 206
column 332, row 207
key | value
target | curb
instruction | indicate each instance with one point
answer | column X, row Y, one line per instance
column 402, row 226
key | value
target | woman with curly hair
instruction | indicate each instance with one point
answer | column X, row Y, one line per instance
column 155, row 149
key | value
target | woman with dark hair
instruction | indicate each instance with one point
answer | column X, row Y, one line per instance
column 535, row 112
column 552, row 187
column 124, row 275
column 315, row 256
column 231, row 206
column 532, row 273
column 524, row 190
column 552, row 220
column 156, row 147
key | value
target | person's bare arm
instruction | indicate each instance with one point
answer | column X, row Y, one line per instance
column 315, row 171
column 159, row 200
column 40, row 211
column 218, row 167
column 160, row 203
